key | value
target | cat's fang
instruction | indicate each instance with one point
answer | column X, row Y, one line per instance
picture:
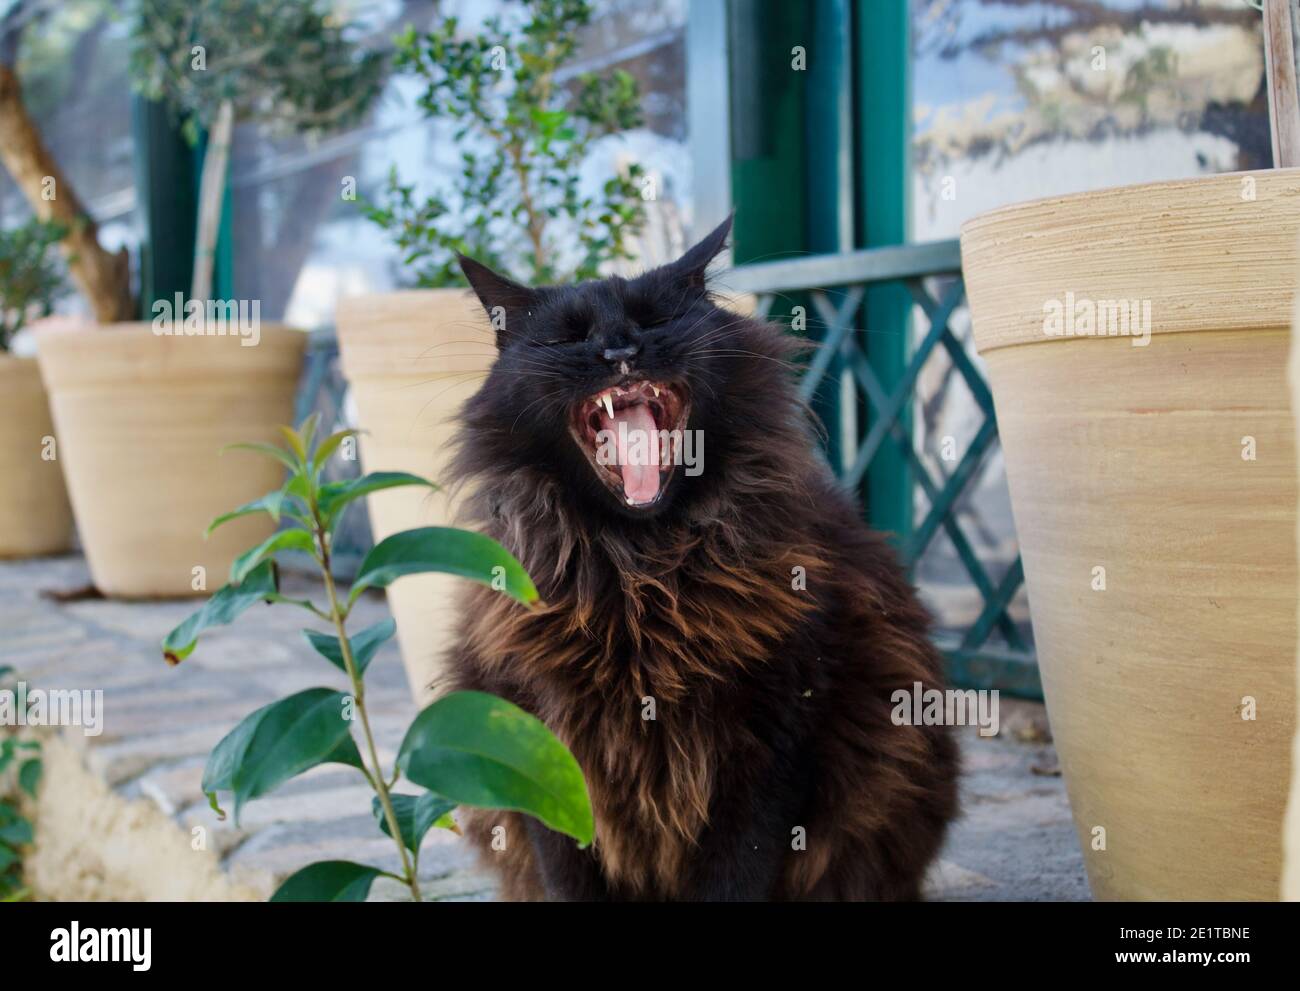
column 633, row 415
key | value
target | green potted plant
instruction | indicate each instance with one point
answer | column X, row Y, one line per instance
column 468, row 748
column 34, row 514
column 143, row 408
column 288, row 65
column 1136, row 340
column 413, row 356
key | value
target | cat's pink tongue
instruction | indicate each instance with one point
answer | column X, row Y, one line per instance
column 640, row 481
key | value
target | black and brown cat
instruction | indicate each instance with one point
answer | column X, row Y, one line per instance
column 740, row 603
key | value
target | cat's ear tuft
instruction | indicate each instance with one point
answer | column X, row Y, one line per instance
column 502, row 298
column 690, row 268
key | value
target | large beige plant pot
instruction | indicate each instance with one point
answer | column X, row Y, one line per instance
column 412, row 359
column 1172, row 692
column 141, row 421
column 35, row 517
column 1291, row 837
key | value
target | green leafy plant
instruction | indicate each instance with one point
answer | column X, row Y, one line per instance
column 525, row 133
column 290, row 64
column 30, row 275
column 467, row 748
column 20, row 763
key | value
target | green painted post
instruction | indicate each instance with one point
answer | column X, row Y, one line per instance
column 792, row 178
column 828, row 143
column 883, row 68
column 223, row 281
column 167, row 172
column 165, row 192
column 768, row 160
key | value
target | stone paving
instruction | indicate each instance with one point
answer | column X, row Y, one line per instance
column 1014, row 841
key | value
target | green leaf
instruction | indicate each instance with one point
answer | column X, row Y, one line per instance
column 271, row 504
column 328, row 446
column 16, row 833
column 328, row 881
column 476, row 749
column 269, row 450
column 295, row 443
column 8, row 857
column 224, row 607
column 307, row 604
column 282, row 540
column 29, row 775
column 444, row 549
column 280, row 741
column 335, row 495
column 364, row 644
column 300, row 487
column 416, row 815
column 307, row 431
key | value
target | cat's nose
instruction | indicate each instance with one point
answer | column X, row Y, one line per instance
column 622, row 354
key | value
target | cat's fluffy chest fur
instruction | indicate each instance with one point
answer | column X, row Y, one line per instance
column 770, row 768
column 641, row 661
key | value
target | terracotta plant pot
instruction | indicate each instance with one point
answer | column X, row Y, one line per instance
column 1172, row 690
column 412, row 359
column 35, row 517
column 141, row 421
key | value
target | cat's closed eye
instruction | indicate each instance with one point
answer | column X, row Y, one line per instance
column 648, row 319
column 572, row 329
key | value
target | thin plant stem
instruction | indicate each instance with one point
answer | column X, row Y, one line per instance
column 339, row 616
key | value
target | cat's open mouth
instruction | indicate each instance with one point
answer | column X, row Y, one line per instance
column 631, row 433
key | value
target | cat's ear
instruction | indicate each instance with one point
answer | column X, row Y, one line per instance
column 689, row 269
column 504, row 299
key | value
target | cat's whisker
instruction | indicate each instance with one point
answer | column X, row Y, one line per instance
column 459, row 340
column 461, row 380
column 487, row 345
column 699, row 320
column 549, row 395
column 717, row 332
column 739, row 353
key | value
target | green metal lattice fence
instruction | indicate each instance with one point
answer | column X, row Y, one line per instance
column 837, row 286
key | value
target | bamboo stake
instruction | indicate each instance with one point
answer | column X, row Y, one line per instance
column 1279, row 63
column 212, row 191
